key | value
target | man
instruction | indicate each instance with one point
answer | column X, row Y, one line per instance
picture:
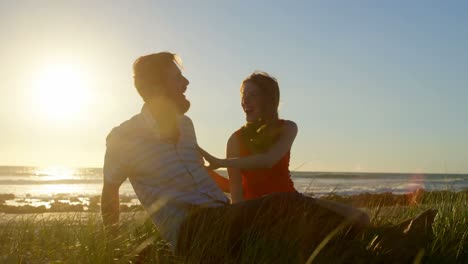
column 157, row 150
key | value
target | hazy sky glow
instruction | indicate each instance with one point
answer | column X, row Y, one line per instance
column 372, row 86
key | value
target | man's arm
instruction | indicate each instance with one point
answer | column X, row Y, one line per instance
column 115, row 173
column 110, row 204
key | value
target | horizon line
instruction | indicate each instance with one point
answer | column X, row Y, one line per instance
column 292, row 171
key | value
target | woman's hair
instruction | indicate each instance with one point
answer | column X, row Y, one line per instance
column 269, row 89
column 149, row 72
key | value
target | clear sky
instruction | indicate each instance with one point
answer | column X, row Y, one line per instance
column 373, row 85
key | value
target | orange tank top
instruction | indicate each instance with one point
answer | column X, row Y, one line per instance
column 259, row 182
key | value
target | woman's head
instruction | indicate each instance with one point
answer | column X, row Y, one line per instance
column 260, row 97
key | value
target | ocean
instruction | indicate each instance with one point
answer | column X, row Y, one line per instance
column 48, row 182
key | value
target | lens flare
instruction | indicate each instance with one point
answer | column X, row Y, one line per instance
column 415, row 189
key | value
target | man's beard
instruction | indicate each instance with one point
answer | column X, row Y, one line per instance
column 169, row 107
column 171, row 104
column 181, row 103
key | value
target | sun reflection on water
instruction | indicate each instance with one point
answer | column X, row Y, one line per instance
column 53, row 189
column 56, row 173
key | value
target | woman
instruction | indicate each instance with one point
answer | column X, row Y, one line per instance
column 258, row 153
column 258, row 159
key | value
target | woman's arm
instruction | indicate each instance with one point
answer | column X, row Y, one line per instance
column 235, row 177
column 263, row 160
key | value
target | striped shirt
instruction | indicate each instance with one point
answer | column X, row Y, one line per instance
column 168, row 178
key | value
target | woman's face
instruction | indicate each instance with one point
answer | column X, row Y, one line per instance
column 251, row 101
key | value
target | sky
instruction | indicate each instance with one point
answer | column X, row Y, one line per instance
column 374, row 86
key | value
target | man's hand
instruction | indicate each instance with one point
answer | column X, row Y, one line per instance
column 110, row 205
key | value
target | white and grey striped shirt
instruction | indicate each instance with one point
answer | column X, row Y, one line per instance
column 167, row 178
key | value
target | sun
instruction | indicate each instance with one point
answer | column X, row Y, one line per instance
column 61, row 91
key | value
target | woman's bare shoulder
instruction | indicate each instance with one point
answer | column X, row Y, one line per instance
column 290, row 126
column 233, row 140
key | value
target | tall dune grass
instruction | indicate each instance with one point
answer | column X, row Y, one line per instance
column 81, row 238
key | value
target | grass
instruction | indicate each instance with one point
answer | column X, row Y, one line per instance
column 80, row 238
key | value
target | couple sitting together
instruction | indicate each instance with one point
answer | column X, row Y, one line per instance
column 157, row 151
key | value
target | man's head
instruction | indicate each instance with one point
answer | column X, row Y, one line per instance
column 157, row 76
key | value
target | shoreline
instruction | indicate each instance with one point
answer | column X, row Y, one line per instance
column 9, row 204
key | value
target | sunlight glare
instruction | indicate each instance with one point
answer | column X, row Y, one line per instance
column 56, row 173
column 61, row 91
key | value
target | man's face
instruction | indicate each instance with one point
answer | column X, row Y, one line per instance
column 175, row 87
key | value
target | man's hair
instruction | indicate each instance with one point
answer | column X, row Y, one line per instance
column 149, row 72
column 270, row 92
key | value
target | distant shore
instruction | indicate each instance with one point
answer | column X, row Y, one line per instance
column 9, row 204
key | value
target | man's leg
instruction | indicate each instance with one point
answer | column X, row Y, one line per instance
column 284, row 217
column 359, row 217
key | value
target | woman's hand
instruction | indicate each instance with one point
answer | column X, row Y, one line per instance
column 214, row 163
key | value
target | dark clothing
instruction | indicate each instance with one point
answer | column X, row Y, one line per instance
column 278, row 220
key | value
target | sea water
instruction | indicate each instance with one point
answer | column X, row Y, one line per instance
column 34, row 182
